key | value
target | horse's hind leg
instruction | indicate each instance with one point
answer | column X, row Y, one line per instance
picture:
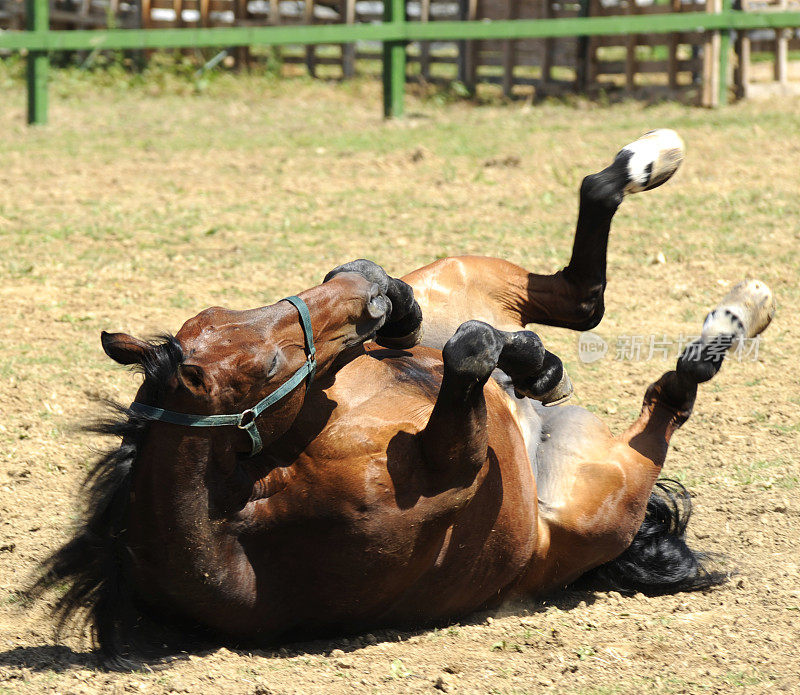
column 743, row 313
column 453, row 290
column 455, row 440
column 595, row 489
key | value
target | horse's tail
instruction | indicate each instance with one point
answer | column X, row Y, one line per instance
column 89, row 568
column 658, row 560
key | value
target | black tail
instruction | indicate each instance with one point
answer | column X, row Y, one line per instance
column 658, row 560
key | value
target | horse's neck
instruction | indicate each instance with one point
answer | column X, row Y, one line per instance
column 180, row 531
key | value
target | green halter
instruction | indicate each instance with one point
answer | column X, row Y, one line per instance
column 246, row 420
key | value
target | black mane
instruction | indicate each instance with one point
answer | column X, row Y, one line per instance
column 92, row 564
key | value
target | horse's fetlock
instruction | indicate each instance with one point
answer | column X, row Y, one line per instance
column 603, row 189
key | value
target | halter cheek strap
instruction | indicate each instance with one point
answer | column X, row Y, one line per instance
column 246, row 420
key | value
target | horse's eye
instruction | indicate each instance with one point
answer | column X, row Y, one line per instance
column 273, row 366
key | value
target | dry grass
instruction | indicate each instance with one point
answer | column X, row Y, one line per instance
column 142, row 204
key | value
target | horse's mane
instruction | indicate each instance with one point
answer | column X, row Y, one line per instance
column 92, row 564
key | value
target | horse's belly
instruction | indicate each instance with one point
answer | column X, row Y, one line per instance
column 370, row 542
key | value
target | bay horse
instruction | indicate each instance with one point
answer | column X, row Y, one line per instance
column 388, row 452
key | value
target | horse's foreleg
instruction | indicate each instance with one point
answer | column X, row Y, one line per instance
column 455, row 440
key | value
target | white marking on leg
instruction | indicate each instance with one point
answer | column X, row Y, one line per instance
column 654, row 158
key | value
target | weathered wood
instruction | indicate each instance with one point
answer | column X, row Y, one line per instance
column 349, row 49
column 672, row 67
column 651, row 67
column 549, row 46
column 311, row 49
column 425, row 46
column 468, row 66
column 509, row 52
column 782, row 52
column 742, row 74
column 630, row 55
column 710, row 91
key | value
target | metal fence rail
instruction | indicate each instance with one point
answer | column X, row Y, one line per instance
column 395, row 32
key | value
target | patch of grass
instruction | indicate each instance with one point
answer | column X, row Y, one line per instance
column 766, row 472
column 398, row 669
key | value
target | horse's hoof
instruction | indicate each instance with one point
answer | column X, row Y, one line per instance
column 745, row 311
column 652, row 159
column 559, row 394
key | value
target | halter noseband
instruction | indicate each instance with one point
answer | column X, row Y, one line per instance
column 246, row 420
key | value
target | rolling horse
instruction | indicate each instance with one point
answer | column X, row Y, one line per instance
column 388, row 452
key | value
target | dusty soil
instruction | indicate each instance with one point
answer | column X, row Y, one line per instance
column 137, row 208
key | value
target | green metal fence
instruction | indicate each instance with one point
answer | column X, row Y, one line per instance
column 395, row 32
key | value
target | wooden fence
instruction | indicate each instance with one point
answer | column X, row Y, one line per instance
column 500, row 43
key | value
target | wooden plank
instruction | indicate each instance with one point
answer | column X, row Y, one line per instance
column 349, row 49
column 652, row 39
column 311, row 49
column 782, row 52
column 549, row 46
column 510, row 52
column 742, row 75
column 586, row 58
column 710, row 91
column 425, row 46
column 672, row 68
column 630, row 52
column 467, row 49
column 620, row 67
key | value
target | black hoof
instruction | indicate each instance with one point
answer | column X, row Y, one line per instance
column 544, row 382
column 403, row 325
column 534, row 372
column 472, row 353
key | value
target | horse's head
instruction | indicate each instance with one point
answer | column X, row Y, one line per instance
column 224, row 362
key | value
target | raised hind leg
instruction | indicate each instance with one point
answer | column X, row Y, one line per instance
column 453, row 290
column 455, row 440
column 742, row 314
column 595, row 489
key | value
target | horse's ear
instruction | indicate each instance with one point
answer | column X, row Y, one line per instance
column 124, row 348
column 193, row 378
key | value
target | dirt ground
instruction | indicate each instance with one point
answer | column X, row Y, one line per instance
column 142, row 204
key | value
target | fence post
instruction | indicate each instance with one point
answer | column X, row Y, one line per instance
column 394, row 61
column 37, row 18
column 724, row 54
